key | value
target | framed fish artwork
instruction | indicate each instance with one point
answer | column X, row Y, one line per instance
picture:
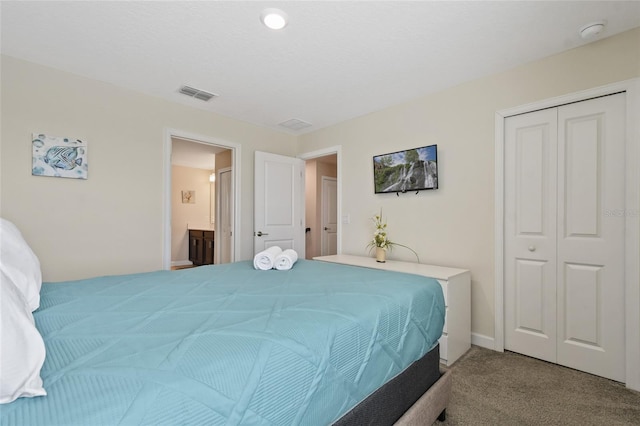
column 59, row 157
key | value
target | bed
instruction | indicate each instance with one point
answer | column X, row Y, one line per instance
column 318, row 344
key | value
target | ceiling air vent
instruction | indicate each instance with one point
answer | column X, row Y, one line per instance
column 295, row 124
column 196, row 93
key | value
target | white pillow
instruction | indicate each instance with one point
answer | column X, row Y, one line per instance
column 20, row 263
column 22, row 349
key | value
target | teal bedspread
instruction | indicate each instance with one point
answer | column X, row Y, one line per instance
column 226, row 345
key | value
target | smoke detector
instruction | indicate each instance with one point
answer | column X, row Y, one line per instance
column 203, row 95
column 592, row 29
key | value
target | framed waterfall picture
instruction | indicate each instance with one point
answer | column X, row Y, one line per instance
column 59, row 157
column 413, row 169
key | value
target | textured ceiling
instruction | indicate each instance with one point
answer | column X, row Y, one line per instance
column 334, row 61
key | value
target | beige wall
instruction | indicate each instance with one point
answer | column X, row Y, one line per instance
column 185, row 216
column 314, row 170
column 112, row 222
column 454, row 225
column 223, row 160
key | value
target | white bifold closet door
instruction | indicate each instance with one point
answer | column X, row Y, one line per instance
column 564, row 235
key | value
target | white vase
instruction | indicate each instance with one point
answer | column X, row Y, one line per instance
column 381, row 255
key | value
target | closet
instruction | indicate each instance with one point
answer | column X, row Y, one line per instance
column 564, row 243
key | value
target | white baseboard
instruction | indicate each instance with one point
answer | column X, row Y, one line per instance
column 181, row 263
column 483, row 341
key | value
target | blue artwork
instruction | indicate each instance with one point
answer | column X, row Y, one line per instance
column 59, row 157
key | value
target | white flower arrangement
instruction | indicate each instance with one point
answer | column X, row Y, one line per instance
column 380, row 238
column 380, row 234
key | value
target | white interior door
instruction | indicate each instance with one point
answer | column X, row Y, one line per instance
column 530, row 234
column 329, row 225
column 278, row 203
column 224, row 222
column 591, row 240
column 564, row 250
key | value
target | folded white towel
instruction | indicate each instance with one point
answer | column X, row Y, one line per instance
column 285, row 260
column 266, row 258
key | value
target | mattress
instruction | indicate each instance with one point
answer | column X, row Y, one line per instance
column 390, row 402
column 227, row 344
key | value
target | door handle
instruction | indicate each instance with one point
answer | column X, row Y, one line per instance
column 532, row 248
column 260, row 234
column 326, row 229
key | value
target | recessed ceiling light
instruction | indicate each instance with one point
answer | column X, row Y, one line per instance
column 274, row 18
column 592, row 29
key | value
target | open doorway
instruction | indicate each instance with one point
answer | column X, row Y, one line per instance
column 192, row 214
column 193, row 201
column 322, row 203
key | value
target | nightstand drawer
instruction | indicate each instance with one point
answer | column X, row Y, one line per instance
column 446, row 315
column 443, row 347
column 444, row 285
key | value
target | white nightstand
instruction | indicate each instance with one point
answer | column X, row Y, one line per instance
column 456, row 286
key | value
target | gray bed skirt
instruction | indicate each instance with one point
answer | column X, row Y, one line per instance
column 417, row 396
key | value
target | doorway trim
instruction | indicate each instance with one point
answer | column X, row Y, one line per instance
column 166, row 187
column 337, row 149
column 631, row 213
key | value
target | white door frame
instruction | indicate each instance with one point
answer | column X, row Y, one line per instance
column 166, row 188
column 631, row 213
column 323, row 153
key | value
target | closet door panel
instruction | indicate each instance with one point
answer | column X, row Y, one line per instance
column 591, row 236
column 530, row 234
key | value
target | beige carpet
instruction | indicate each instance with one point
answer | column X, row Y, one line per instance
column 493, row 388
